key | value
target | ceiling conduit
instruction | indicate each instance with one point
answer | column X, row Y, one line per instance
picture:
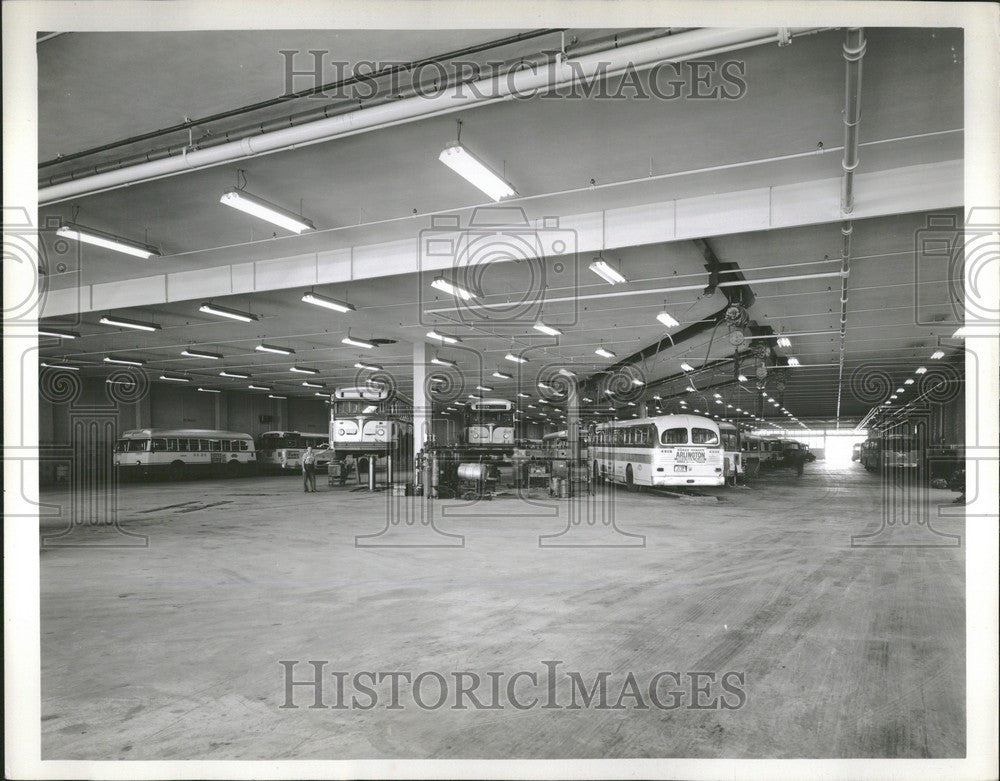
column 854, row 51
column 638, row 56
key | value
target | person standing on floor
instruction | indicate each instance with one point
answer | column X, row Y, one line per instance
column 309, row 470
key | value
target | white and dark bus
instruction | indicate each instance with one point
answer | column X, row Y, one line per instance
column 282, row 450
column 177, row 453
column 366, row 420
column 666, row 450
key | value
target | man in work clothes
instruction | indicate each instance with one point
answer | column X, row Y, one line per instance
column 309, row 470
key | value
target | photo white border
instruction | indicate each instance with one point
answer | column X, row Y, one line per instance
column 21, row 20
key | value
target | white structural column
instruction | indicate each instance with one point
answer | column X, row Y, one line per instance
column 421, row 402
column 573, row 423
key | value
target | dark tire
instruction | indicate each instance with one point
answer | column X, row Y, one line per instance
column 233, row 469
column 176, row 471
column 629, row 483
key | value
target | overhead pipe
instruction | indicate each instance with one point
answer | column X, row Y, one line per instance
column 854, row 51
column 681, row 46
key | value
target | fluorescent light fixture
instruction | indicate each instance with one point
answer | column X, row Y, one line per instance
column 502, row 375
column 209, row 390
column 124, row 361
column 307, row 384
column 486, row 388
column 452, row 289
column 270, row 348
column 329, row 303
column 961, row 333
column 443, row 362
column 324, row 395
column 900, row 390
column 667, row 319
column 357, row 342
column 717, row 395
column 742, row 378
column 532, row 406
column 59, row 333
column 275, row 396
column 784, row 341
column 47, row 365
column 476, row 172
column 937, row 355
column 544, row 386
column 524, row 395
column 515, row 358
column 738, row 409
column 200, row 354
column 604, row 353
column 225, row 311
column 475, row 396
column 921, row 370
column 691, row 389
column 443, row 337
column 687, row 367
column 893, row 397
column 793, row 361
column 374, row 367
column 259, row 387
column 124, row 322
column 174, row 378
column 258, row 207
column 234, row 375
column 637, row 381
column 547, row 329
column 610, row 275
column 909, row 381
column 303, row 370
column 107, row 240
column 719, row 401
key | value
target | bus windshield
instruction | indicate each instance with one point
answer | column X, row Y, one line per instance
column 132, row 446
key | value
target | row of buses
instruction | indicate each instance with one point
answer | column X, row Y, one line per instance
column 363, row 420
column 666, row 450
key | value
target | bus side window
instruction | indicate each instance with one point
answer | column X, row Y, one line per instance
column 159, row 445
column 226, row 444
column 172, row 445
column 203, row 445
column 243, row 444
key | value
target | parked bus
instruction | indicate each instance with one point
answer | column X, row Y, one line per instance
column 489, row 423
column 557, row 443
column 731, row 453
column 182, row 452
column 663, row 450
column 283, row 449
column 893, row 451
column 754, row 453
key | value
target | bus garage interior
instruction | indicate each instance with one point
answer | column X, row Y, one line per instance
column 688, row 394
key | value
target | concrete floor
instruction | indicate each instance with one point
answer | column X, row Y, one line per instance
column 171, row 651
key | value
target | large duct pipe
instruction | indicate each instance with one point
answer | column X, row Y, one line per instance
column 854, row 50
column 522, row 83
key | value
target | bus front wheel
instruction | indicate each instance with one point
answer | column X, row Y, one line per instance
column 629, row 482
column 176, row 470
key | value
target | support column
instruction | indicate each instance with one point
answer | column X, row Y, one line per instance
column 573, row 424
column 421, row 403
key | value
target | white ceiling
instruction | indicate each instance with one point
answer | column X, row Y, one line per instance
column 95, row 88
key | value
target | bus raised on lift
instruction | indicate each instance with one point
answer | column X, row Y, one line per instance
column 489, row 423
column 666, row 450
column 366, row 420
